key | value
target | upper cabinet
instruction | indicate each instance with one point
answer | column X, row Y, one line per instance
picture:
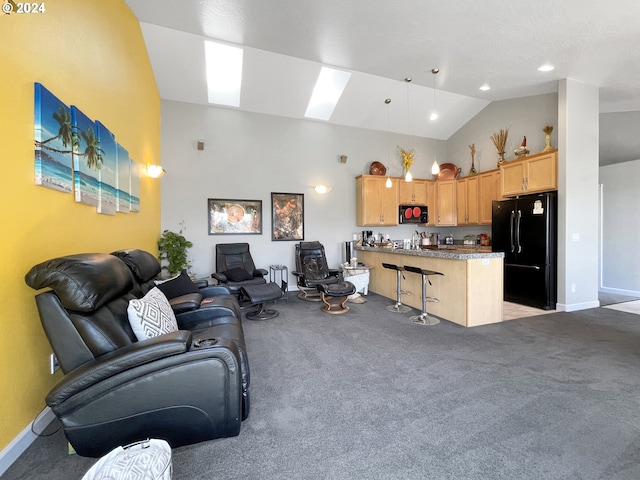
column 431, row 203
column 536, row 173
column 446, row 203
column 488, row 191
column 413, row 193
column 467, row 196
column 375, row 203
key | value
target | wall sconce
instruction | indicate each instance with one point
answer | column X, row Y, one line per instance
column 343, row 159
column 322, row 189
column 155, row 171
column 200, row 145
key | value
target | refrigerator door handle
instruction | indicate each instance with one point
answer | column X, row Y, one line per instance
column 511, row 230
column 528, row 267
column 518, row 231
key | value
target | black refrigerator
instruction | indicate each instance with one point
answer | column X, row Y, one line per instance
column 524, row 228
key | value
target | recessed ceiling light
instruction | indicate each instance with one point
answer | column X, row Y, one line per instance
column 546, row 68
column 224, row 73
column 326, row 93
column 485, row 87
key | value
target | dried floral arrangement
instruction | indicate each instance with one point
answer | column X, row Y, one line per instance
column 472, row 147
column 500, row 140
column 407, row 157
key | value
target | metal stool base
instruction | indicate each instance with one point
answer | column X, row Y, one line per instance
column 399, row 308
column 424, row 319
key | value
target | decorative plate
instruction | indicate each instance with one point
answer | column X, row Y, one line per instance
column 377, row 169
column 448, row 171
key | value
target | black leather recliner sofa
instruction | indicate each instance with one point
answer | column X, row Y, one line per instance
column 185, row 386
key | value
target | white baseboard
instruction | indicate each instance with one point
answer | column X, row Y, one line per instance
column 618, row 291
column 561, row 307
column 25, row 438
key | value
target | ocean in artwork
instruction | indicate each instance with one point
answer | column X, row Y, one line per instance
column 53, row 141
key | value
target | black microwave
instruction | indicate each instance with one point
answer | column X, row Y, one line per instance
column 413, row 214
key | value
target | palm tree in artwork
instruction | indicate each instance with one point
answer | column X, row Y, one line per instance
column 93, row 152
column 65, row 132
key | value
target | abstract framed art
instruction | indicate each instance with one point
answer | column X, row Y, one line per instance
column 287, row 216
column 234, row 217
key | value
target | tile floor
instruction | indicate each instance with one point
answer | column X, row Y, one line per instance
column 511, row 311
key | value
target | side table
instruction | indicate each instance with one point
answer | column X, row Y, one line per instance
column 358, row 275
column 280, row 272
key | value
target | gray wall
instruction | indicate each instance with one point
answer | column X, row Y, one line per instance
column 522, row 116
column 620, row 228
column 248, row 156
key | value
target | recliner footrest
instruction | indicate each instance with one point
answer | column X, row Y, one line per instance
column 258, row 295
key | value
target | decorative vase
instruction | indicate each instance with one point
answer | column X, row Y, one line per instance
column 548, row 147
column 473, row 166
column 500, row 158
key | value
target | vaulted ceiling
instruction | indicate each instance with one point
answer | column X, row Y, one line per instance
column 495, row 42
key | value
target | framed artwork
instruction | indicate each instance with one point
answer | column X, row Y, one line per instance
column 87, row 158
column 54, row 139
column 234, row 217
column 287, row 216
column 107, row 173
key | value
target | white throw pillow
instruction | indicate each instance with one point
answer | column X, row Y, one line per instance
column 151, row 315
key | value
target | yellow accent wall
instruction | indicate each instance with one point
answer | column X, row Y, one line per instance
column 92, row 55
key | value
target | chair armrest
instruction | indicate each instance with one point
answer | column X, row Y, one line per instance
column 120, row 360
column 213, row 290
column 333, row 271
column 298, row 274
column 201, row 283
column 260, row 272
column 185, row 303
column 190, row 320
column 221, row 277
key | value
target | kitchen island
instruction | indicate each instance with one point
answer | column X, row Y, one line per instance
column 470, row 293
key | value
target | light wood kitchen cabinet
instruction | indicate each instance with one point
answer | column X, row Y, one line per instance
column 431, row 203
column 446, row 202
column 375, row 203
column 488, row 191
column 467, row 201
column 413, row 193
column 536, row 173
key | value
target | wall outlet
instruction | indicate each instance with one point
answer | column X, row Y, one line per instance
column 54, row 366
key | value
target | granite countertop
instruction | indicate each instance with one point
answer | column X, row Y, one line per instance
column 454, row 252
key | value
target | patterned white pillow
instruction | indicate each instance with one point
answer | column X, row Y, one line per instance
column 151, row 315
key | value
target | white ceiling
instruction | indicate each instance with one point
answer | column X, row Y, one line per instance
column 498, row 42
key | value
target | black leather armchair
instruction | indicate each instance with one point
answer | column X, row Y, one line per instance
column 312, row 270
column 235, row 268
column 180, row 386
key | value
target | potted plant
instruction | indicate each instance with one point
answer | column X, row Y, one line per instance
column 172, row 247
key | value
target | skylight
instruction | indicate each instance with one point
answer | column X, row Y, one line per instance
column 326, row 93
column 224, row 73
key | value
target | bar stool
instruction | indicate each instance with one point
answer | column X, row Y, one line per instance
column 398, row 307
column 424, row 318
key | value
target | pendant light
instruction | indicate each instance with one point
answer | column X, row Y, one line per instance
column 388, row 183
column 435, row 168
column 434, row 113
column 408, row 177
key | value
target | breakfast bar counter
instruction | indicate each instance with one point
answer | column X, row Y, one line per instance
column 470, row 293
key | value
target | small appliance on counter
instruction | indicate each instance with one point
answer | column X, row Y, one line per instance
column 470, row 240
column 413, row 214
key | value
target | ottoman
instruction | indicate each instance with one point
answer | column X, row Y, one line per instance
column 258, row 295
column 335, row 296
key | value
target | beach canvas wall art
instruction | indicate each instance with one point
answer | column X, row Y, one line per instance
column 87, row 158
column 107, row 177
column 123, row 180
column 75, row 154
column 135, row 187
column 53, row 141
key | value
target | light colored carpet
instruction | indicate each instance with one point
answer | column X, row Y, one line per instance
column 629, row 307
